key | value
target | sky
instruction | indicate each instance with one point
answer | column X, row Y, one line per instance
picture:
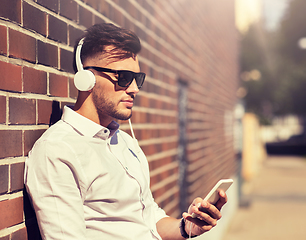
column 250, row 11
column 273, row 11
column 247, row 12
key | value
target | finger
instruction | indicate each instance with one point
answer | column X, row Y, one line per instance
column 197, row 221
column 210, row 210
column 208, row 215
column 222, row 200
column 197, row 201
column 195, row 204
column 199, row 226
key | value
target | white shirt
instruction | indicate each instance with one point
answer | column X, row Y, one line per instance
column 90, row 182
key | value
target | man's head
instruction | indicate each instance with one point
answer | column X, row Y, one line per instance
column 110, row 53
column 99, row 37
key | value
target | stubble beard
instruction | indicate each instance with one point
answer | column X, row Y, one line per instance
column 105, row 107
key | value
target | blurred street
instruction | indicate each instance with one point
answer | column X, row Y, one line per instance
column 277, row 209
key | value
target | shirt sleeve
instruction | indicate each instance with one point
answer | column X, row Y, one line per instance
column 53, row 179
column 159, row 212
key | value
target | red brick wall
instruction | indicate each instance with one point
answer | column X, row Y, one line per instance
column 194, row 41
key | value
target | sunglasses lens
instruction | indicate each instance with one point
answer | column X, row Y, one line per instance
column 140, row 77
column 125, row 79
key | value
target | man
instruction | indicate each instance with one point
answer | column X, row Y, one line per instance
column 89, row 180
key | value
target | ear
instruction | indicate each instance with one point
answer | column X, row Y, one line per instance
column 84, row 80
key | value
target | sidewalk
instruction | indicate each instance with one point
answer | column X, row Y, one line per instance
column 277, row 208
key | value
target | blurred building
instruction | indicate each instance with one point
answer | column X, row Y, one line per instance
column 184, row 114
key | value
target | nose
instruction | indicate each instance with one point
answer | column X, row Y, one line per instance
column 133, row 88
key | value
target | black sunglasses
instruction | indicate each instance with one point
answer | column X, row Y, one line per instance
column 125, row 77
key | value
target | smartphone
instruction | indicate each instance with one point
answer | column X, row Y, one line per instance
column 213, row 196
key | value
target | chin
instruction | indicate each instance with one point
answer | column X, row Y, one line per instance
column 123, row 116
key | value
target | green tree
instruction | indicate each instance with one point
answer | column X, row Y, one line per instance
column 257, row 55
column 291, row 67
column 291, row 30
column 281, row 62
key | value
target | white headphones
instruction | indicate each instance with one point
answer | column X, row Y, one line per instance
column 84, row 80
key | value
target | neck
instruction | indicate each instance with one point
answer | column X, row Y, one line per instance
column 84, row 106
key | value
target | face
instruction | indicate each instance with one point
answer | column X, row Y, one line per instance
column 110, row 100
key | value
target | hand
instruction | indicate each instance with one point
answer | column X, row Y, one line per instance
column 208, row 215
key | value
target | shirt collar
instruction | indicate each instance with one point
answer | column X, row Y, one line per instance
column 86, row 127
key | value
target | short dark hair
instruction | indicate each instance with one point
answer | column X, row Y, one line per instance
column 97, row 37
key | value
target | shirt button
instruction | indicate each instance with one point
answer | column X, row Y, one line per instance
column 105, row 131
column 126, row 168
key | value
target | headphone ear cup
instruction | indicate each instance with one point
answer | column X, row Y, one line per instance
column 84, row 80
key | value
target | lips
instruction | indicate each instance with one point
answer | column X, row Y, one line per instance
column 128, row 103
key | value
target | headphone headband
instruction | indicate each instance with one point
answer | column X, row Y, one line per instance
column 78, row 60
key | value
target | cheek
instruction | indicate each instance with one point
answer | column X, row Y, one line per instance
column 105, row 86
column 106, row 93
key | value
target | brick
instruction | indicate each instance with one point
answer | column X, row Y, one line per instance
column 50, row 4
column 69, row 9
column 57, row 29
column 85, row 17
column 124, row 4
column 3, row 40
column 117, row 17
column 73, row 92
column 10, row 143
column 34, row 81
column 26, row 50
column 11, row 212
column 47, row 54
column 2, row 109
column 37, row 23
column 104, row 8
column 7, row 237
column 98, row 20
column 30, row 137
column 74, row 35
column 4, row 175
column 66, row 60
column 20, row 234
column 95, row 4
column 126, row 24
column 58, row 85
column 11, row 9
column 10, row 77
column 17, row 171
column 44, row 111
column 22, row 111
